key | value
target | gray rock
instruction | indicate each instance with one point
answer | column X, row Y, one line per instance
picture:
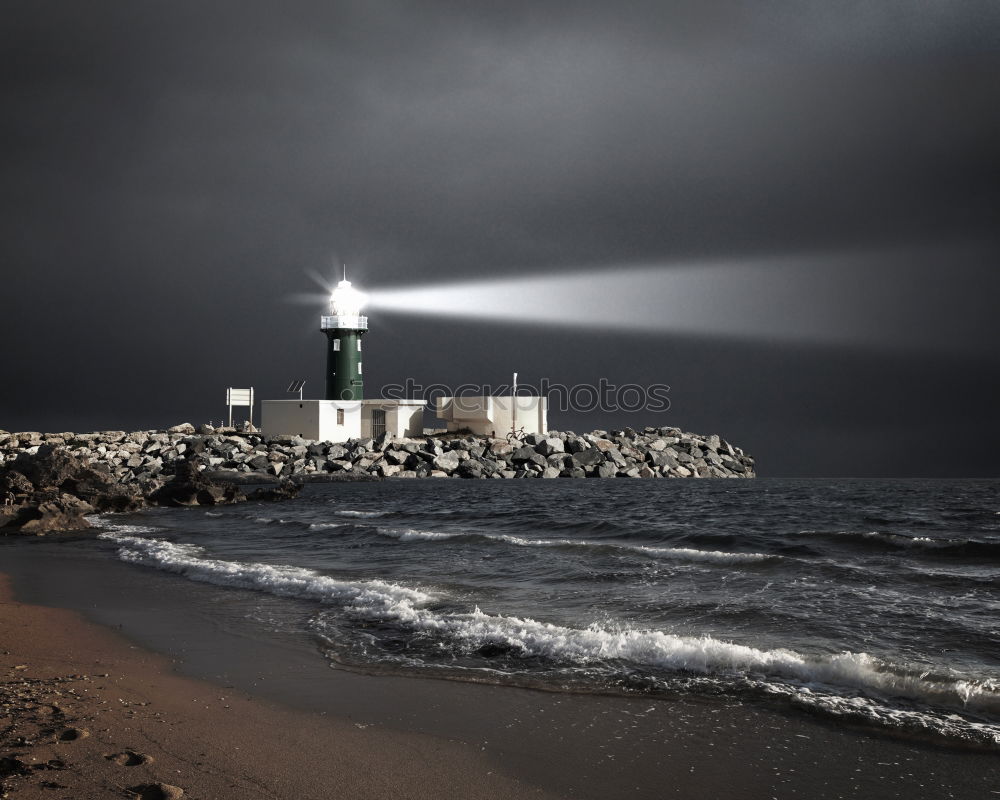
column 588, row 458
column 525, row 453
column 447, row 462
column 662, row 459
column 549, row 446
column 607, row 470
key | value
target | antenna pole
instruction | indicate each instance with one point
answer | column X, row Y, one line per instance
column 345, row 272
column 513, row 408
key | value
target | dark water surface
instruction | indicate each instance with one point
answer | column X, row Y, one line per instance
column 873, row 602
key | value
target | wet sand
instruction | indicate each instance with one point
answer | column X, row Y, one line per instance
column 232, row 710
column 88, row 715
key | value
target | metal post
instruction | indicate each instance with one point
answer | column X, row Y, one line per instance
column 251, row 406
column 513, row 408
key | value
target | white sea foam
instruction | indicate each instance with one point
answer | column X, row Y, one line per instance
column 672, row 553
column 369, row 596
column 346, row 512
column 692, row 554
column 901, row 540
column 413, row 535
column 100, row 521
column 708, row 655
column 520, row 541
column 840, row 678
column 322, row 526
column 942, row 722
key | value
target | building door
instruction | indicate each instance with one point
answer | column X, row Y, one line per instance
column 378, row 421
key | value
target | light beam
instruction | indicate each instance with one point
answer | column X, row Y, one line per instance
column 857, row 299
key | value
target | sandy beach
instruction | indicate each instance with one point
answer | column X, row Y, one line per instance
column 88, row 715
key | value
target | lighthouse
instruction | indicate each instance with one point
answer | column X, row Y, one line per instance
column 343, row 413
column 344, row 326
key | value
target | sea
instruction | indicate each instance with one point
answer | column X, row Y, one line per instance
column 872, row 602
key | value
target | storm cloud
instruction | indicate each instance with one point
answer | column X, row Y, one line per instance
column 172, row 172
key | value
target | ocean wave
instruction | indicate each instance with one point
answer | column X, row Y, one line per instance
column 367, row 596
column 936, row 545
column 271, row 520
column 692, row 554
column 413, row 535
column 672, row 553
column 365, row 514
column 835, row 683
column 708, row 655
column 867, row 709
column 927, row 545
column 110, row 524
column 838, row 679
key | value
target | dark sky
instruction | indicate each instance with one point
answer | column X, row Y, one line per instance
column 172, row 171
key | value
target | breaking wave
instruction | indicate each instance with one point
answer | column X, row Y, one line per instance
column 412, row 535
column 284, row 581
column 929, row 545
column 364, row 514
column 854, row 683
column 671, row 553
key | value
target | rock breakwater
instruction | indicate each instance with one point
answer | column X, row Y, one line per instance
column 50, row 480
column 146, row 458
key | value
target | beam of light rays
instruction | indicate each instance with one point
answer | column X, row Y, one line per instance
column 924, row 301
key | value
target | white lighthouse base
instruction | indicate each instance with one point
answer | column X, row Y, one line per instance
column 320, row 420
column 340, row 420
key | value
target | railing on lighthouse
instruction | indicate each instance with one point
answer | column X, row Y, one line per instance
column 343, row 322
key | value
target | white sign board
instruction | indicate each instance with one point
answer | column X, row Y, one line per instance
column 239, row 397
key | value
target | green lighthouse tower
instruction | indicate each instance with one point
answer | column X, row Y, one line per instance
column 344, row 326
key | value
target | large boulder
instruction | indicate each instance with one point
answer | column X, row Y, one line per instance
column 447, row 462
column 191, row 488
column 588, row 458
column 47, row 512
column 184, row 428
column 549, row 446
column 607, row 470
column 54, row 471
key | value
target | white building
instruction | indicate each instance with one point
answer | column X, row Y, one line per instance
column 339, row 420
column 395, row 417
column 495, row 416
column 322, row 420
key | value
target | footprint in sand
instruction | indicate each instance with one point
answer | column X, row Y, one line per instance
column 129, row 758
column 72, row 734
column 157, row 791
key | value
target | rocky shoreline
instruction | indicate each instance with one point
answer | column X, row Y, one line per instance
column 51, row 481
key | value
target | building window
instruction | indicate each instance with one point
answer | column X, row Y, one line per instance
column 359, row 368
column 359, row 345
column 336, row 344
column 340, row 416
